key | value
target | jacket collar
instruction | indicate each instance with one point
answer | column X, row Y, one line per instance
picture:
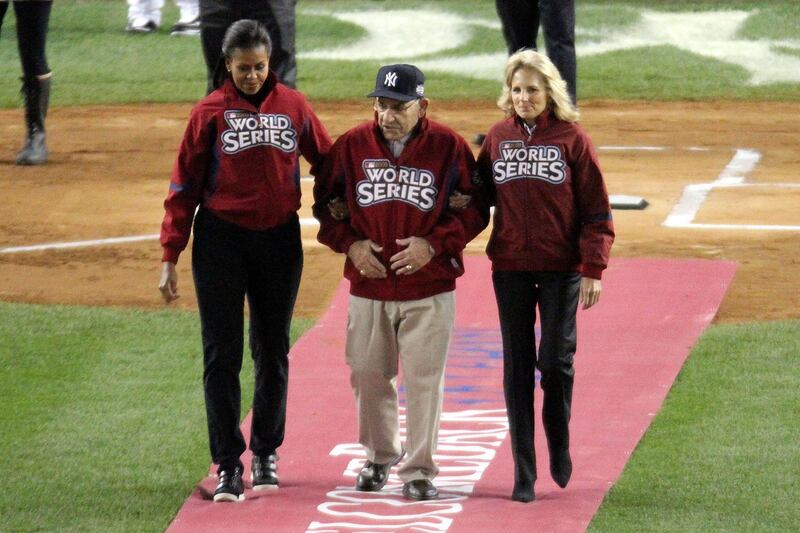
column 232, row 94
column 543, row 120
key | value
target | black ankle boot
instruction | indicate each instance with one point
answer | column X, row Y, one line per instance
column 37, row 96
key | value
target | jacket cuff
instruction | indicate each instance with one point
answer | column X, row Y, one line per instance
column 435, row 246
column 347, row 242
column 592, row 271
column 170, row 254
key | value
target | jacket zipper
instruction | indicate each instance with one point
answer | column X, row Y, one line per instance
column 531, row 131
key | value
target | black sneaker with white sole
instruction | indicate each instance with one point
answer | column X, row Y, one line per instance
column 141, row 27
column 265, row 472
column 230, row 487
column 186, row 28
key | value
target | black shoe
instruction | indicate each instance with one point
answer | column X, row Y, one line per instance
column 478, row 139
column 420, row 489
column 561, row 467
column 34, row 151
column 37, row 97
column 141, row 28
column 373, row 476
column 186, row 28
column 265, row 472
column 230, row 487
column 523, row 492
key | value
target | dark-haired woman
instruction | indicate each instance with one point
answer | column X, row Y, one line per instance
column 239, row 163
column 32, row 23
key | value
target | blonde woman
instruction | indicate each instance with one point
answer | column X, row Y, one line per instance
column 549, row 246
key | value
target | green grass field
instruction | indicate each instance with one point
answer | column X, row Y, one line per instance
column 94, row 61
column 102, row 427
column 103, row 424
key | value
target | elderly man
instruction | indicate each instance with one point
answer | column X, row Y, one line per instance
column 403, row 251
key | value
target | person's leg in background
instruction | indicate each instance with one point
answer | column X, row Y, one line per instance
column 277, row 15
column 215, row 17
column 144, row 16
column 279, row 18
column 520, row 22
column 285, row 64
column 189, row 18
column 3, row 8
column 517, row 294
column 32, row 25
column 558, row 24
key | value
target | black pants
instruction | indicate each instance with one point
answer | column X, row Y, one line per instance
column 32, row 22
column 229, row 263
column 520, row 20
column 519, row 294
column 277, row 15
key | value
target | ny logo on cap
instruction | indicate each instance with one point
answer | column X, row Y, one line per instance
column 390, row 80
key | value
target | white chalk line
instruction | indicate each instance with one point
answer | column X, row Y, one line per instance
column 77, row 244
column 304, row 222
column 681, row 217
column 746, row 227
column 732, row 176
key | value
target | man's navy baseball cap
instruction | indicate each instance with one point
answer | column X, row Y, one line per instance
column 400, row 82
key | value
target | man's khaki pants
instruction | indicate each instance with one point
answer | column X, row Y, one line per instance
column 416, row 334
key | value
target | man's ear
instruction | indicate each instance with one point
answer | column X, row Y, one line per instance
column 423, row 106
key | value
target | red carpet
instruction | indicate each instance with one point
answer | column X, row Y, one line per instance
column 631, row 347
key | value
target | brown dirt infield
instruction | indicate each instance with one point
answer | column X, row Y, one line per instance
column 110, row 168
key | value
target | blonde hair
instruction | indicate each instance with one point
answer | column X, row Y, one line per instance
column 557, row 97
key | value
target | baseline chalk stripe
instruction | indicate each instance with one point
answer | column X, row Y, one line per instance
column 630, row 349
column 78, row 244
column 732, row 176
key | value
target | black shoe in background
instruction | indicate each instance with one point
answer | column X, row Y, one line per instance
column 186, row 28
column 141, row 28
column 230, row 487
column 265, row 472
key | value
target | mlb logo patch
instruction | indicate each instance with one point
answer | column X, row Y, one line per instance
column 375, row 164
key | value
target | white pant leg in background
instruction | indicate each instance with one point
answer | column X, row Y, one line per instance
column 190, row 10
column 142, row 11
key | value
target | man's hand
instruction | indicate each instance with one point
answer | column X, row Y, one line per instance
column 590, row 292
column 458, row 200
column 362, row 255
column 168, row 284
column 417, row 254
column 338, row 208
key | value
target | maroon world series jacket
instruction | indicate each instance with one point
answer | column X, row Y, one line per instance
column 393, row 198
column 551, row 205
column 241, row 162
